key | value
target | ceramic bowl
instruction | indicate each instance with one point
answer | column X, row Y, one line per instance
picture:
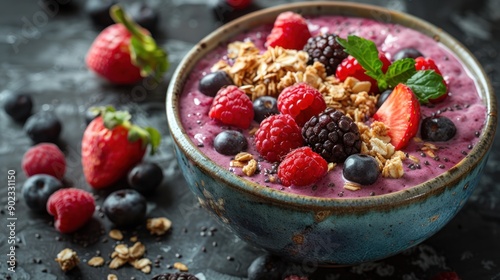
column 328, row 231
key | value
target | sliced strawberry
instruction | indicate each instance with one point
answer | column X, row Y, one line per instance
column 290, row 31
column 401, row 113
column 423, row 63
column 350, row 67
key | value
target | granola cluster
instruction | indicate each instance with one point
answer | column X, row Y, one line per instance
column 131, row 255
column 67, row 259
column 269, row 72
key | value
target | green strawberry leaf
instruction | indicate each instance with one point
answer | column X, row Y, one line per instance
column 400, row 71
column 154, row 138
column 426, row 84
column 144, row 52
column 366, row 53
column 112, row 118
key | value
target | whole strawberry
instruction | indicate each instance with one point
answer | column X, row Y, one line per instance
column 124, row 53
column 72, row 208
column 112, row 145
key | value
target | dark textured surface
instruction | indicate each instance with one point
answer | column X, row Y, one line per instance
column 42, row 52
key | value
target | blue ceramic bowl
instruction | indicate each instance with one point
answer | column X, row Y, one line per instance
column 319, row 230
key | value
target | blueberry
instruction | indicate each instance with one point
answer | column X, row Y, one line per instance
column 361, row 169
column 383, row 97
column 125, row 207
column 144, row 15
column 266, row 267
column 18, row 106
column 438, row 129
column 212, row 82
column 230, row 142
column 37, row 190
column 43, row 126
column 145, row 177
column 407, row 53
column 263, row 107
column 98, row 11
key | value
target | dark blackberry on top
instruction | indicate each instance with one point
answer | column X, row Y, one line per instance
column 333, row 135
column 325, row 49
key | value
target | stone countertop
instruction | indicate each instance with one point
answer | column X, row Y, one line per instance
column 42, row 52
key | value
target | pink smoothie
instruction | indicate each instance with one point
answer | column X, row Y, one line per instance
column 464, row 107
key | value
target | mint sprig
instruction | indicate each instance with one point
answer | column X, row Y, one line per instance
column 425, row 84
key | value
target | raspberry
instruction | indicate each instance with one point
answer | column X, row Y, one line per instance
column 290, row 31
column 232, row 106
column 302, row 167
column 175, row 276
column 71, row 208
column 327, row 50
column 301, row 101
column 350, row 67
column 276, row 136
column 422, row 63
column 333, row 135
column 44, row 158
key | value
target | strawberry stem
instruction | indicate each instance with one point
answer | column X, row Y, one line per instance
column 144, row 51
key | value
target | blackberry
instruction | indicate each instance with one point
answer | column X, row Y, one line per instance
column 325, row 49
column 175, row 276
column 333, row 135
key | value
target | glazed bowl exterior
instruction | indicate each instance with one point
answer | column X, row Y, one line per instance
column 320, row 230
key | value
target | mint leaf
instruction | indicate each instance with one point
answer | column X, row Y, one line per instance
column 400, row 71
column 366, row 53
column 426, row 84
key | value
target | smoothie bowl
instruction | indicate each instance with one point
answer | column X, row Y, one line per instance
column 290, row 146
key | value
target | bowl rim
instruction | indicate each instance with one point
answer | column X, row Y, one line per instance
column 434, row 186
